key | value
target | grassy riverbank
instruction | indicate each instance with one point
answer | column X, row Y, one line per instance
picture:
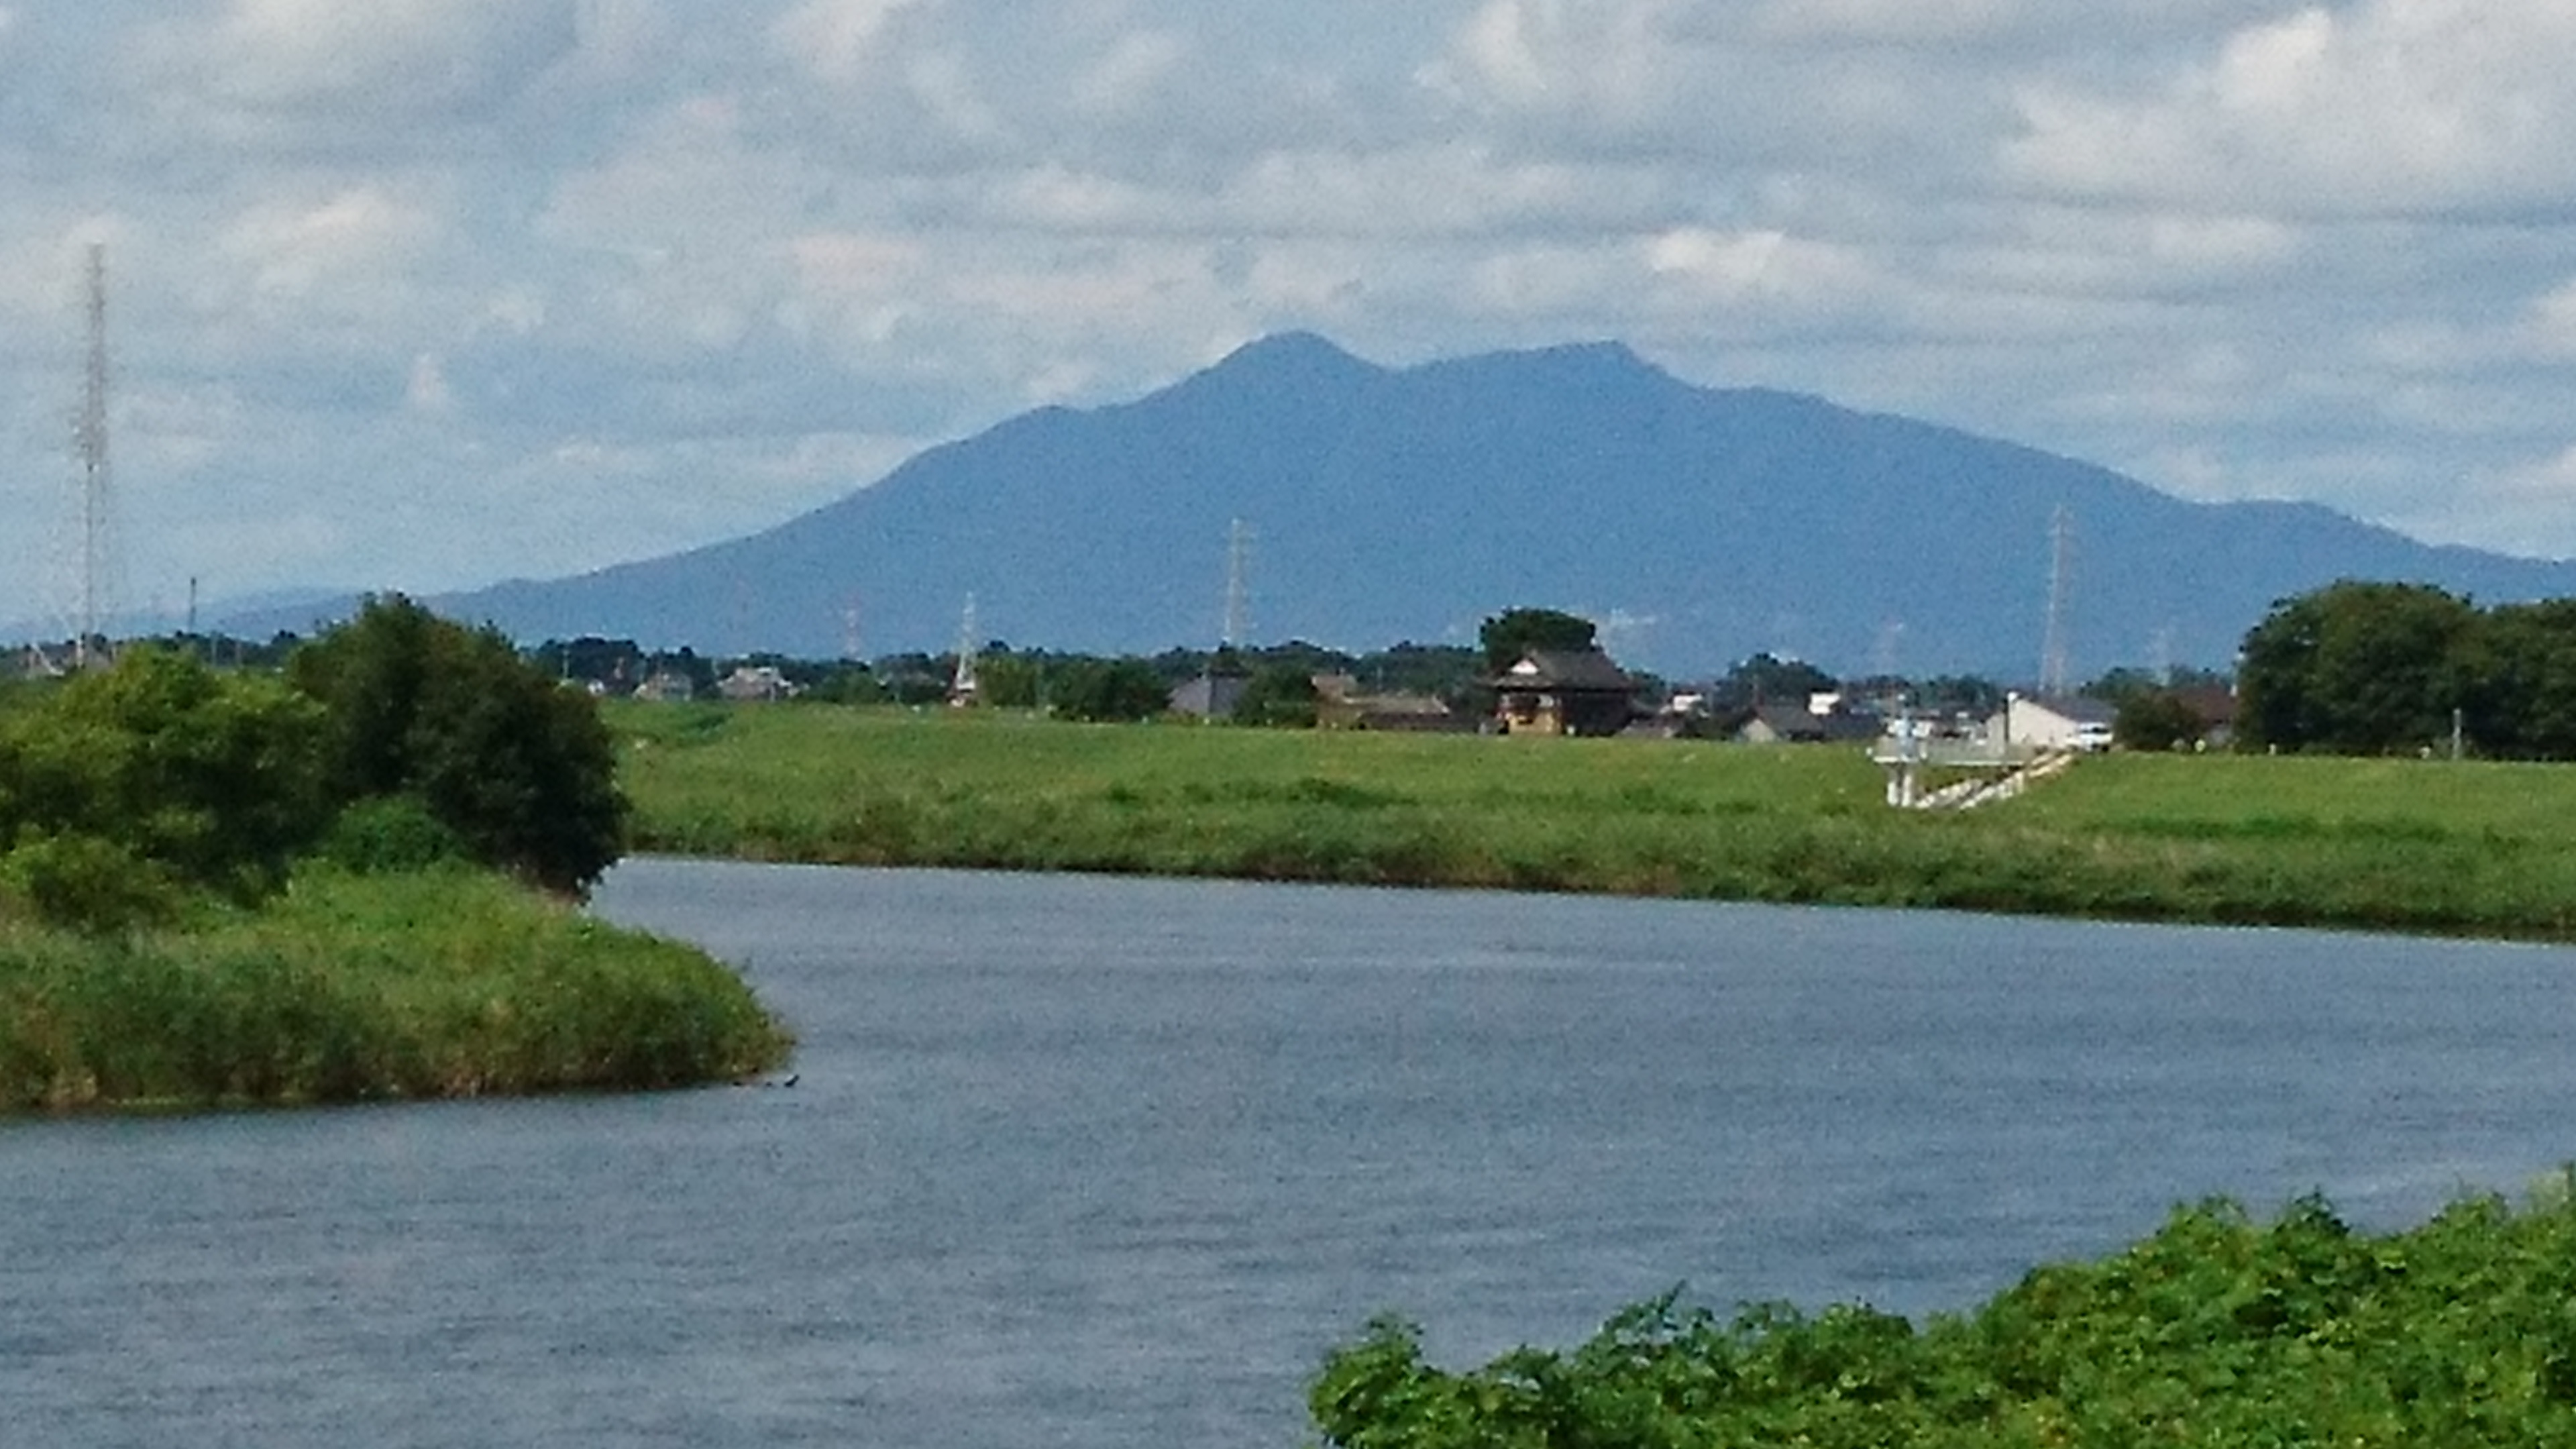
column 2215, row 1331
column 445, row 983
column 2399, row 845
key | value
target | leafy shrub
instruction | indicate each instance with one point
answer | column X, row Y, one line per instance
column 2214, row 1331
column 88, row 884
column 390, row 833
column 208, row 778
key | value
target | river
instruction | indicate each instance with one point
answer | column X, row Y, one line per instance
column 1073, row 1161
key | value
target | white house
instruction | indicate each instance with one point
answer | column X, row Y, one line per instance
column 2053, row 722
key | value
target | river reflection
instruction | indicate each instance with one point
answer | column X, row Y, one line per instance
column 1073, row 1161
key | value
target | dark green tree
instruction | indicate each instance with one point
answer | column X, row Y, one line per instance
column 1009, row 681
column 1107, row 690
column 1278, row 697
column 2356, row 668
column 2156, row 719
column 1515, row 632
column 2520, row 691
column 1768, row 679
column 521, row 769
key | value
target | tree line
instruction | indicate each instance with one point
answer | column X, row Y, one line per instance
column 2386, row 668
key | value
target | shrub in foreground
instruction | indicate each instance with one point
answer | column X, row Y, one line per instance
column 2215, row 1331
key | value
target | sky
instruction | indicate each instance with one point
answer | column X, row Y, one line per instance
column 423, row 294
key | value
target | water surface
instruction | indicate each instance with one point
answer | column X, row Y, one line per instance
column 1080, row 1161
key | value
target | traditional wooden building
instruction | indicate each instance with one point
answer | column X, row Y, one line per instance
column 1563, row 692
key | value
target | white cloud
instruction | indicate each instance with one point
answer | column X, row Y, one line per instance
column 838, row 40
column 2553, row 319
column 489, row 255
column 2390, row 106
column 363, row 237
column 388, row 57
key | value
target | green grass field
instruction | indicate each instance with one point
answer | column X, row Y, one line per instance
column 2400, row 845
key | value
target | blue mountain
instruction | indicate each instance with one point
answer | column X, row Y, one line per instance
column 1390, row 504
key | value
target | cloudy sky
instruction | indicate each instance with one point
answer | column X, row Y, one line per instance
column 425, row 293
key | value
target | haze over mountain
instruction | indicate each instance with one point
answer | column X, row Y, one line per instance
column 1698, row 525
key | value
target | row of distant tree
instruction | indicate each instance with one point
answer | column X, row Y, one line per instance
column 1107, row 687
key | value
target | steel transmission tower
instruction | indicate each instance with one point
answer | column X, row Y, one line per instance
column 962, row 687
column 1238, row 598
column 89, row 440
column 2061, row 560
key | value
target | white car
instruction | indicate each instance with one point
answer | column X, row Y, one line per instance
column 2092, row 739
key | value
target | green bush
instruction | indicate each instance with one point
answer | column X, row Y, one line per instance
column 210, row 778
column 2215, row 1331
column 390, row 833
column 87, row 884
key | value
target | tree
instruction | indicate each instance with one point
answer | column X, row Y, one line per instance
column 2356, row 668
column 1515, row 632
column 1107, row 689
column 2520, row 681
column 522, row 770
column 1767, row 679
column 2156, row 719
column 1280, row 697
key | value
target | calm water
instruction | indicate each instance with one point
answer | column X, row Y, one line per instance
column 1108, row 1162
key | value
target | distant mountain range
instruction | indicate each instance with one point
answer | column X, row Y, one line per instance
column 1386, row 504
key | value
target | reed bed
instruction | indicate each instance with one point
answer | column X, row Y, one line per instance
column 450, row 983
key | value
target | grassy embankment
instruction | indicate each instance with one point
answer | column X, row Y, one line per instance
column 2215, row 1331
column 444, row 983
column 2398, row 845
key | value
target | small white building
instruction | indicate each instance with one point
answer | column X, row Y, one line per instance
column 2053, row 722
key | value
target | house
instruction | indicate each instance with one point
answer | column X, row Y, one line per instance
column 2053, row 721
column 1340, row 704
column 666, row 686
column 1563, row 692
column 1209, row 696
column 2215, row 705
column 1789, row 724
column 756, row 682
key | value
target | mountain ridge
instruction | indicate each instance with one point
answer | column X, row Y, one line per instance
column 1407, row 503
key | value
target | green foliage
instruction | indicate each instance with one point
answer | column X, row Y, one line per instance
column 87, row 883
column 517, row 766
column 430, row 984
column 2214, row 1331
column 1107, row 690
column 2156, row 719
column 1768, row 679
column 188, row 776
column 1278, row 698
column 388, row 833
column 2521, row 687
column 1515, row 632
column 2356, row 668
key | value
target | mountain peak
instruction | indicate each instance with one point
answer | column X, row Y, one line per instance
column 1291, row 358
